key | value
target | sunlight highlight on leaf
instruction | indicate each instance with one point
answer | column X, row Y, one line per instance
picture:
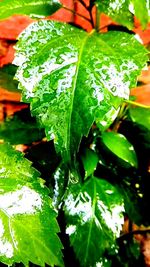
column 24, row 201
column 28, row 226
column 6, row 248
column 94, row 215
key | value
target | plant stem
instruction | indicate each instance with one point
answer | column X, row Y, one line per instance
column 82, row 3
column 135, row 232
column 91, row 17
column 119, row 118
column 136, row 104
column 97, row 22
column 74, row 12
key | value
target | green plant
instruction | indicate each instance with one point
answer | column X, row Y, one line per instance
column 77, row 85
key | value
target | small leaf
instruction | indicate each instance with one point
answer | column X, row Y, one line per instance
column 6, row 78
column 122, row 11
column 73, row 78
column 90, row 160
column 140, row 116
column 20, row 129
column 117, row 10
column 120, row 146
column 141, row 11
column 33, row 8
column 94, row 219
column 28, row 223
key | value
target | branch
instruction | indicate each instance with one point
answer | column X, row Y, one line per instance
column 89, row 9
column 136, row 104
column 136, row 232
column 74, row 12
column 82, row 3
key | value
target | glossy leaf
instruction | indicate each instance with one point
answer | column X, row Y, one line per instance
column 18, row 130
column 90, row 160
column 120, row 146
column 140, row 116
column 6, row 78
column 117, row 10
column 122, row 11
column 94, row 219
column 73, row 78
column 28, row 224
column 33, row 8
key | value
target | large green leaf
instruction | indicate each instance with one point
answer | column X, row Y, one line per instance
column 120, row 146
column 94, row 219
column 28, row 224
column 122, row 11
column 34, row 8
column 140, row 116
column 73, row 78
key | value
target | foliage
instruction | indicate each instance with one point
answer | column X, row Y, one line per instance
column 123, row 150
column 27, row 215
column 84, row 78
column 137, row 114
column 77, row 85
column 28, row 7
column 122, row 11
column 94, row 220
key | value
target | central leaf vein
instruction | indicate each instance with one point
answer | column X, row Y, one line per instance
column 74, row 88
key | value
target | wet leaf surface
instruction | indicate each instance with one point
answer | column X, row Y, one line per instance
column 94, row 219
column 122, row 11
column 73, row 78
column 117, row 10
column 26, row 214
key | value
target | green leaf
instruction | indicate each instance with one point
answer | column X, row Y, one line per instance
column 28, row 223
column 90, row 160
column 18, row 130
column 6, row 78
column 94, row 219
column 73, row 78
column 117, row 10
column 38, row 8
column 120, row 146
column 141, row 11
column 140, row 116
column 122, row 11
